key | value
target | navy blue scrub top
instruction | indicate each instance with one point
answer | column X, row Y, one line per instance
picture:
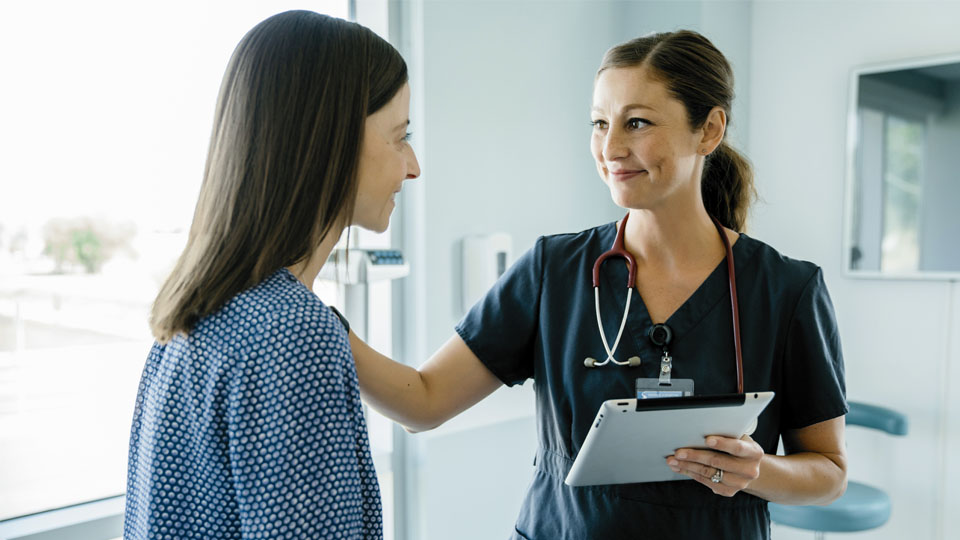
column 539, row 322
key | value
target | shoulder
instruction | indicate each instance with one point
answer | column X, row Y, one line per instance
column 566, row 248
column 782, row 274
column 278, row 307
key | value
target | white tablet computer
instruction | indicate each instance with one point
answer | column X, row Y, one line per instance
column 631, row 438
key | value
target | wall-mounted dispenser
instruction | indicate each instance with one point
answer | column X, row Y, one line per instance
column 484, row 259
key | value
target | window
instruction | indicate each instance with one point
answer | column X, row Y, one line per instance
column 891, row 150
column 902, row 194
column 107, row 111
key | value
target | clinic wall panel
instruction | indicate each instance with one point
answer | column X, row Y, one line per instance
column 508, row 137
column 897, row 335
column 950, row 456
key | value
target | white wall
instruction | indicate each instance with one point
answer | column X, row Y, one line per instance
column 899, row 337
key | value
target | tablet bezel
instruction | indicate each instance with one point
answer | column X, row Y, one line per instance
column 618, row 450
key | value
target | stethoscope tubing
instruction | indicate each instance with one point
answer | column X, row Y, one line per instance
column 619, row 250
column 603, row 336
column 734, row 305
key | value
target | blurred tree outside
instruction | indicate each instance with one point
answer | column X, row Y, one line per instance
column 85, row 242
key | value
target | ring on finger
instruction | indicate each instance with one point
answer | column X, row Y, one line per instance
column 717, row 477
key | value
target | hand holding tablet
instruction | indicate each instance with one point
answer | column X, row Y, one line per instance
column 631, row 440
column 729, row 466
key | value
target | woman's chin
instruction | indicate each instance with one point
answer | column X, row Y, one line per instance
column 374, row 228
column 628, row 201
column 380, row 225
column 377, row 224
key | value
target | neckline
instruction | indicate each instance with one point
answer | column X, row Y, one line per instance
column 712, row 290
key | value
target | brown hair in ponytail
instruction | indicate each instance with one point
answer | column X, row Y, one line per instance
column 699, row 76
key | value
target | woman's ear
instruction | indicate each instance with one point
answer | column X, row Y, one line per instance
column 713, row 130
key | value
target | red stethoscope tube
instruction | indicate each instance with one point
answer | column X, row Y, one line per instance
column 619, row 250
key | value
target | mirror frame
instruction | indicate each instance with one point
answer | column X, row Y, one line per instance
column 850, row 178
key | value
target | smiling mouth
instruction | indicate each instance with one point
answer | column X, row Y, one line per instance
column 623, row 175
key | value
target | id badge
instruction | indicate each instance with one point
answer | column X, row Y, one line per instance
column 651, row 388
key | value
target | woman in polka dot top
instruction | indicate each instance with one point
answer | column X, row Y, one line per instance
column 248, row 422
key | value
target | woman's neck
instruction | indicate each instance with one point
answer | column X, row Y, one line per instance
column 667, row 240
column 308, row 269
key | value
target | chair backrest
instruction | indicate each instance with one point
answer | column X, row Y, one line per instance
column 873, row 416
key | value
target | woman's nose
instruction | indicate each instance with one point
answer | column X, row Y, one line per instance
column 413, row 166
column 614, row 146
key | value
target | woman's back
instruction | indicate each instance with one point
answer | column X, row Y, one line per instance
column 252, row 427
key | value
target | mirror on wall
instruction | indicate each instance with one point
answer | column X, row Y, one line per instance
column 903, row 192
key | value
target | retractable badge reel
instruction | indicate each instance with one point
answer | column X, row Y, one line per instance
column 661, row 336
column 663, row 386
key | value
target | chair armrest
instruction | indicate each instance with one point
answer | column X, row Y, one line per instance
column 877, row 417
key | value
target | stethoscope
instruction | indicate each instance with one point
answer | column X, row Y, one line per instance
column 660, row 334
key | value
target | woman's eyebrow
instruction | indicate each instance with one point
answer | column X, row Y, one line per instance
column 402, row 125
column 626, row 108
column 638, row 106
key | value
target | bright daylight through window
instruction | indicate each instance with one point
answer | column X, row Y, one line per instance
column 107, row 109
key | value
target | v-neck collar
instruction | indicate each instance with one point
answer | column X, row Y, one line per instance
column 715, row 288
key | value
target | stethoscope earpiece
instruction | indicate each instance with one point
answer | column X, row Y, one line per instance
column 633, row 361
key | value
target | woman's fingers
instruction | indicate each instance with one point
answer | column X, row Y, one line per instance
column 708, row 461
column 744, row 447
column 728, row 486
column 739, row 459
column 730, row 482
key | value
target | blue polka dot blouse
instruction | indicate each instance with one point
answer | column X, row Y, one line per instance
column 252, row 427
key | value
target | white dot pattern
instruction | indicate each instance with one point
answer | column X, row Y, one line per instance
column 252, row 427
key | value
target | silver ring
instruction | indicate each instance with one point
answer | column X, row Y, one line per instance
column 717, row 477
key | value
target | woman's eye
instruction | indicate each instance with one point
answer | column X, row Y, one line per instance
column 598, row 124
column 637, row 123
column 407, row 136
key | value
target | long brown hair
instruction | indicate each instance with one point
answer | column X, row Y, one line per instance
column 699, row 76
column 281, row 169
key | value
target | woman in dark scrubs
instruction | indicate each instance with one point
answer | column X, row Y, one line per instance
column 661, row 105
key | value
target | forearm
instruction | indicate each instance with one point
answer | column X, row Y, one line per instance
column 450, row 382
column 395, row 390
column 801, row 478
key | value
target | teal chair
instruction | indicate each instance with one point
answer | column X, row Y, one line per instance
column 862, row 507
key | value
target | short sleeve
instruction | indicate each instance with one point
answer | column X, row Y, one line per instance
column 813, row 387
column 292, row 435
column 501, row 328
